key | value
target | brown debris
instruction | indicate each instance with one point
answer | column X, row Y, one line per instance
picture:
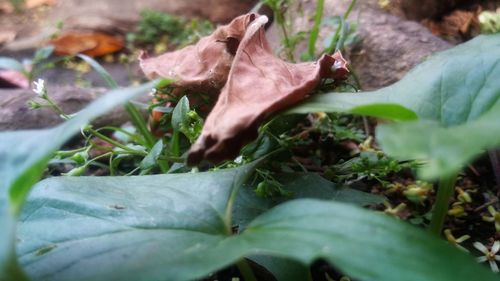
column 203, row 66
column 457, row 26
column 255, row 83
column 30, row 4
column 259, row 84
column 94, row 44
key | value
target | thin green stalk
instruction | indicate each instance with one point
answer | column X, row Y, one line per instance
column 246, row 270
column 115, row 143
column 281, row 22
column 174, row 143
column 315, row 30
column 349, row 9
column 140, row 124
column 445, row 192
column 56, row 108
column 132, row 111
column 333, row 43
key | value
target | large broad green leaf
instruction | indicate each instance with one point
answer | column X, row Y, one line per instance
column 175, row 227
column 363, row 244
column 299, row 185
column 24, row 155
column 456, row 95
column 451, row 87
column 446, row 150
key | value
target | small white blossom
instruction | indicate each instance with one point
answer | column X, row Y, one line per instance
column 489, row 255
column 39, row 87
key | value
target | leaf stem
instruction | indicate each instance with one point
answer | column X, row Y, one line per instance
column 246, row 270
column 445, row 191
column 315, row 30
column 115, row 143
column 140, row 124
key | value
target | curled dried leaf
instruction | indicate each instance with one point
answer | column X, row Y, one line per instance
column 203, row 66
column 259, row 84
column 255, row 84
column 93, row 44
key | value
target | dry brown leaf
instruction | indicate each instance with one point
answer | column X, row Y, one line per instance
column 30, row 4
column 93, row 44
column 203, row 66
column 6, row 7
column 13, row 79
column 259, row 84
column 255, row 84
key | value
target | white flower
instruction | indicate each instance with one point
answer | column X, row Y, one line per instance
column 39, row 87
column 489, row 255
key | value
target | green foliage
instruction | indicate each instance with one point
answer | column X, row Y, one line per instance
column 24, row 157
column 368, row 165
column 128, row 225
column 184, row 226
column 490, row 21
column 154, row 25
column 454, row 93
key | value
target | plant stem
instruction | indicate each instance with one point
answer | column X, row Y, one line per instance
column 140, row 124
column 281, row 22
column 56, row 108
column 315, row 30
column 445, row 192
column 333, row 44
column 115, row 143
column 246, row 270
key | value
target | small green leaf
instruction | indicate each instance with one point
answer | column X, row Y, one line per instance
column 179, row 113
column 12, row 64
column 42, row 54
column 151, row 159
column 108, row 79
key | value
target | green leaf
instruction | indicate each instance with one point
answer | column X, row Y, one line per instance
column 108, row 79
column 150, row 160
column 451, row 87
column 388, row 111
column 137, row 224
column 42, row 54
column 300, row 185
column 179, row 113
column 12, row 64
column 362, row 244
column 446, row 150
column 456, row 94
column 283, row 269
column 174, row 227
column 24, row 156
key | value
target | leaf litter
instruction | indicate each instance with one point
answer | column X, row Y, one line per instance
column 236, row 64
